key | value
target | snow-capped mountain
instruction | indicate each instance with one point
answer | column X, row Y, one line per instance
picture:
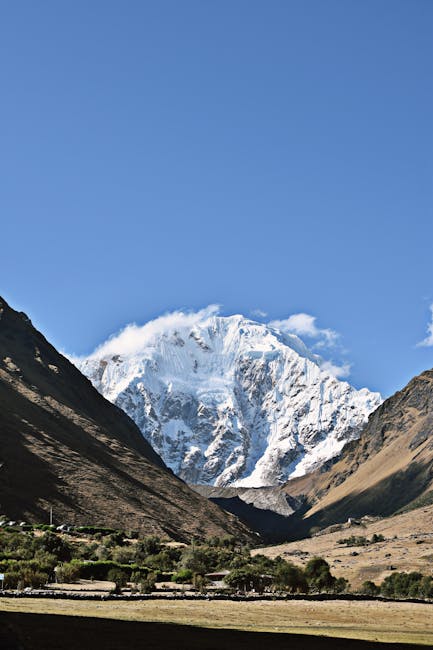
column 226, row 400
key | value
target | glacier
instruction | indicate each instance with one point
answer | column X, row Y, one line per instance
column 227, row 401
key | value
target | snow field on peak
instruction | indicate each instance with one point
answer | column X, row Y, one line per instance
column 228, row 401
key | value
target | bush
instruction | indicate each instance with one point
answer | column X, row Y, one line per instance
column 200, row 583
column 123, row 555
column 68, row 572
column 162, row 561
column 290, row 577
column 25, row 577
column 119, row 577
column 147, row 584
column 147, row 546
column 100, row 570
column 137, row 577
column 55, row 545
column 93, row 530
column 353, row 540
column 369, row 588
column 184, row 576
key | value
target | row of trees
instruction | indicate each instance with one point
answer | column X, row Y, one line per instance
column 285, row 576
column 359, row 540
column 31, row 560
column 401, row 585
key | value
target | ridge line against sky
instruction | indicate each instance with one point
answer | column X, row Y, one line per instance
column 323, row 342
column 263, row 156
column 133, row 337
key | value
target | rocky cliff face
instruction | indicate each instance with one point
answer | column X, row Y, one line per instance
column 228, row 401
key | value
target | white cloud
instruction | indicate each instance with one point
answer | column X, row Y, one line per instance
column 258, row 313
column 305, row 325
column 134, row 338
column 428, row 341
column 341, row 372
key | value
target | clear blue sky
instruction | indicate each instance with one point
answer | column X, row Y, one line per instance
column 273, row 155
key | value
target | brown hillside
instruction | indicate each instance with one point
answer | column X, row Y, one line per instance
column 407, row 546
column 64, row 446
column 388, row 468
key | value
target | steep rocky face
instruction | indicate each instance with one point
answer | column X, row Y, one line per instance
column 63, row 446
column 228, row 401
column 388, row 468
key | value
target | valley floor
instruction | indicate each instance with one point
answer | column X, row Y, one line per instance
column 394, row 623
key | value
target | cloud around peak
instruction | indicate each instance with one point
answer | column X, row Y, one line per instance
column 428, row 341
column 339, row 371
column 305, row 325
column 135, row 337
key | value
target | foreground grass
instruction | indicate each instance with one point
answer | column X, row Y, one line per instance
column 371, row 621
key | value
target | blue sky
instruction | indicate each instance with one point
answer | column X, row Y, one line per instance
column 272, row 156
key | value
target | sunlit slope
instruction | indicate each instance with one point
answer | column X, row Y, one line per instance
column 388, row 468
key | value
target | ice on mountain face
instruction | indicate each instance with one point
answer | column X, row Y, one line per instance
column 227, row 401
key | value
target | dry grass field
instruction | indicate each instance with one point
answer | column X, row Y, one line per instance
column 371, row 621
column 408, row 547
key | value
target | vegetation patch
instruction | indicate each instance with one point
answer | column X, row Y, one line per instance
column 359, row 540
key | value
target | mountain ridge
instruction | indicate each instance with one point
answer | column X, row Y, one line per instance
column 386, row 470
column 229, row 401
column 63, row 446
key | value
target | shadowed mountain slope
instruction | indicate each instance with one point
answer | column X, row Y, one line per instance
column 64, row 446
column 268, row 511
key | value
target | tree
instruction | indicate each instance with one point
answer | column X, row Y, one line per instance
column 369, row 588
column 200, row 583
column 246, row 579
column 144, row 583
column 319, row 575
column 115, row 539
column 68, row 573
column 160, row 562
column 290, row 577
column 55, row 545
column 341, row 585
column 123, row 555
column 198, row 561
column 147, row 546
column 119, row 578
column 425, row 589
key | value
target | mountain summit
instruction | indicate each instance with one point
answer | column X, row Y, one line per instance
column 228, row 401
